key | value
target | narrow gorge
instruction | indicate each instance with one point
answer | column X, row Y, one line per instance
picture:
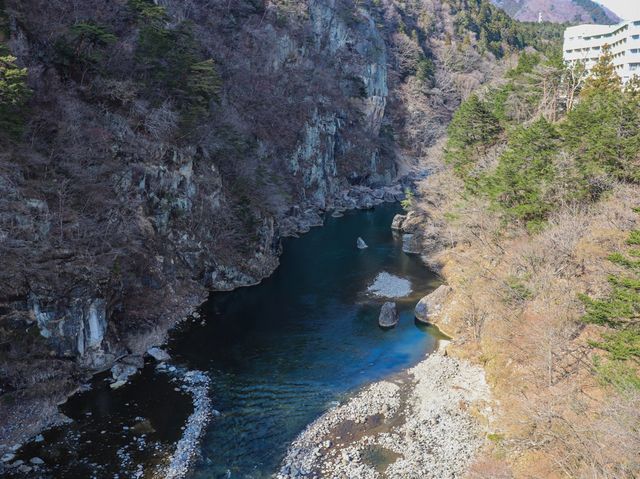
column 205, row 204
column 162, row 150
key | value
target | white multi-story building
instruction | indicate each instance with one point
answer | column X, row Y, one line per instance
column 584, row 43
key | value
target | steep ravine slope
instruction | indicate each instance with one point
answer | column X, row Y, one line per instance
column 166, row 148
column 540, row 251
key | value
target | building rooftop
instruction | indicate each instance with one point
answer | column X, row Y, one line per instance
column 588, row 30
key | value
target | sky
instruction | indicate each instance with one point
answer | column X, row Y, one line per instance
column 626, row 9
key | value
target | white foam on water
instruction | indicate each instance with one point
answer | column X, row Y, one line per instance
column 389, row 286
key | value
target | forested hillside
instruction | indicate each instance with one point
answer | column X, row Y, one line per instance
column 537, row 231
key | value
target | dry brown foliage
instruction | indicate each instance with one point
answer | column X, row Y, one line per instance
column 516, row 308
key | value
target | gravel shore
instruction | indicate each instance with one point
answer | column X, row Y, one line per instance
column 422, row 424
column 198, row 385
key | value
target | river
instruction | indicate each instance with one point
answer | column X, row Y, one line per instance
column 277, row 355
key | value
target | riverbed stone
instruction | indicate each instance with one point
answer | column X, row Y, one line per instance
column 126, row 367
column 430, row 419
column 117, row 384
column 429, row 308
column 36, row 460
column 361, row 244
column 397, row 222
column 388, row 315
column 410, row 244
column 158, row 354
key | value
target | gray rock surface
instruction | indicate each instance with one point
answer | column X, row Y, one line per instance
column 410, row 244
column 126, row 367
column 388, row 315
column 158, row 354
column 430, row 307
column 398, row 220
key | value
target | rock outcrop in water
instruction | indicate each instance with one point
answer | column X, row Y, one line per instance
column 158, row 354
column 429, row 308
column 388, row 315
column 124, row 369
column 398, row 220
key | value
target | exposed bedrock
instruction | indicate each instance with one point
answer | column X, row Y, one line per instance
column 430, row 308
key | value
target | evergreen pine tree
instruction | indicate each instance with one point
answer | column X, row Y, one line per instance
column 14, row 93
column 522, row 182
column 603, row 77
column 472, row 128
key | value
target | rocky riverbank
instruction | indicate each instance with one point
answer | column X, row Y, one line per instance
column 428, row 422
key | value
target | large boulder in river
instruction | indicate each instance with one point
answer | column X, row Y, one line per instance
column 411, row 243
column 158, row 354
column 125, row 368
column 396, row 225
column 388, row 315
column 430, row 307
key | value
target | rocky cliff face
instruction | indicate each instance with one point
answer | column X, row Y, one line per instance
column 131, row 193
